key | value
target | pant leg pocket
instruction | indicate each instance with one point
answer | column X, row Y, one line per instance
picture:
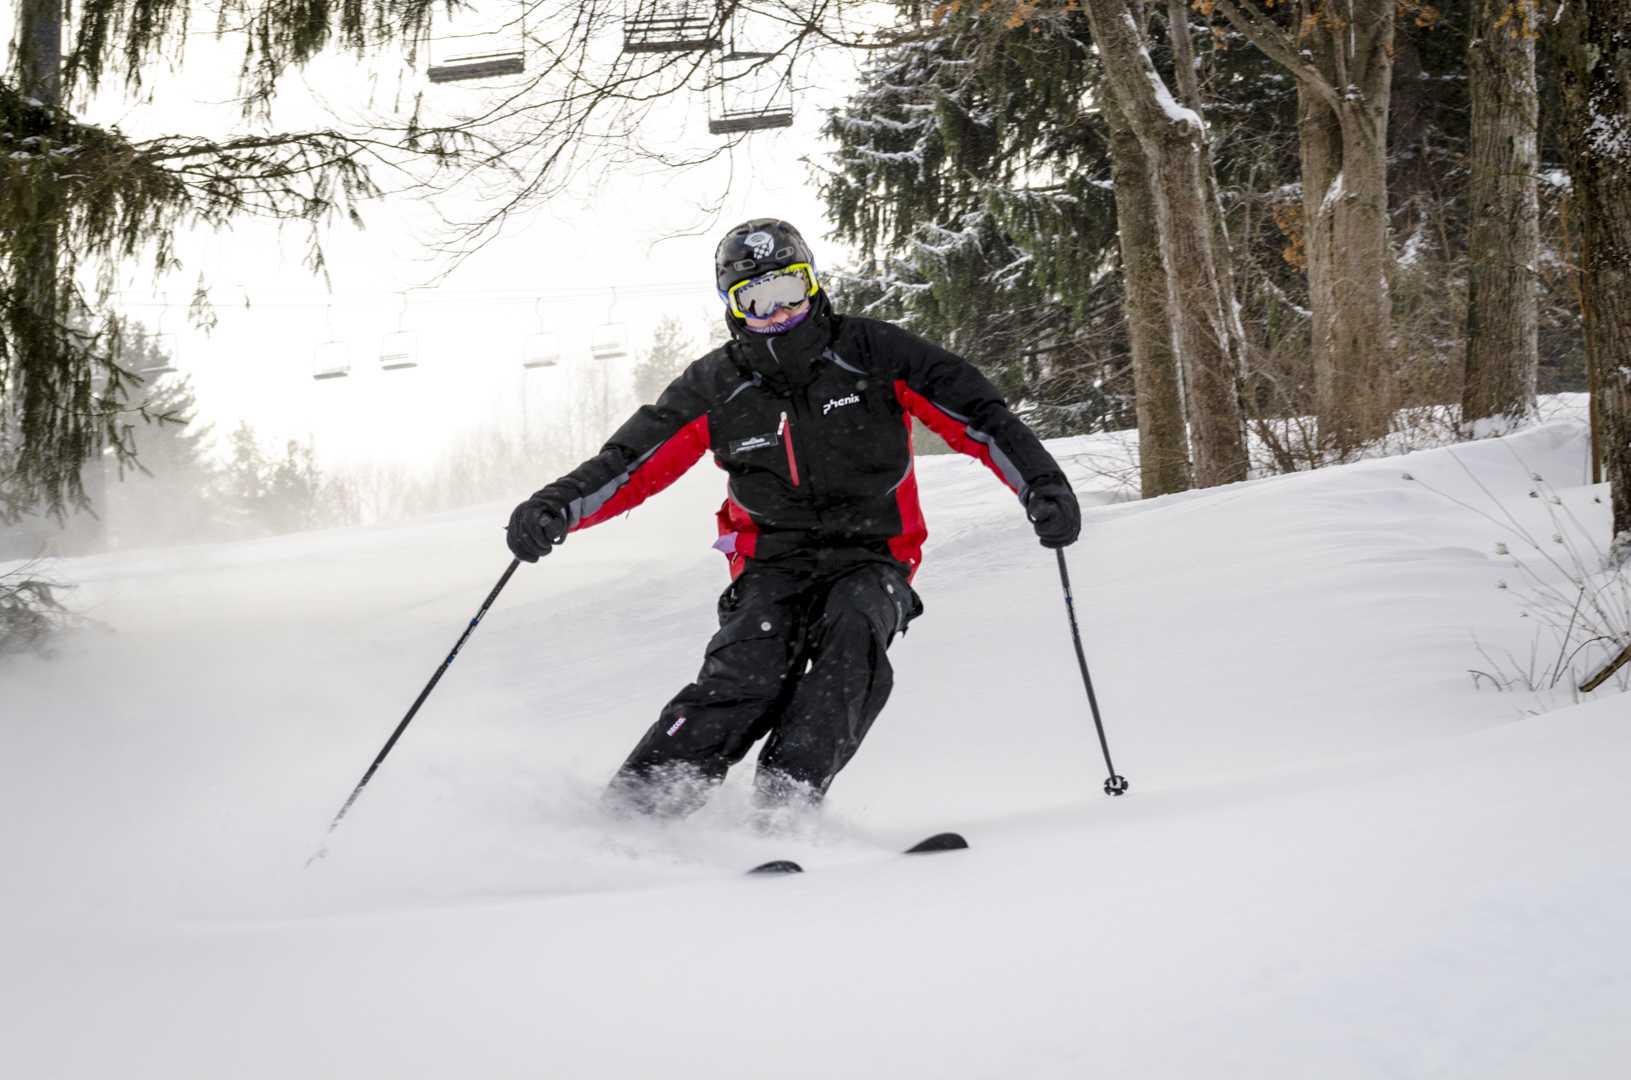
column 742, row 626
column 752, row 653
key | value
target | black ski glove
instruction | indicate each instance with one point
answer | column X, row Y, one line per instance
column 536, row 527
column 1051, row 506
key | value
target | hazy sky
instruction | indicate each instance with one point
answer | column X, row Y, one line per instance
column 553, row 271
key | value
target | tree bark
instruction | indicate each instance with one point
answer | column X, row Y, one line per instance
column 38, row 49
column 1341, row 54
column 1163, row 444
column 1173, row 141
column 1189, row 92
column 1503, row 236
column 1594, row 50
column 1344, row 166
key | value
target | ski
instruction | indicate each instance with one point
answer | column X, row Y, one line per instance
column 946, row 841
column 779, row 866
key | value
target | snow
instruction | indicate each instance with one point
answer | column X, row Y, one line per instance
column 1333, row 195
column 1338, row 858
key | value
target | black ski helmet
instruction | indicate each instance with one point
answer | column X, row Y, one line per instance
column 758, row 247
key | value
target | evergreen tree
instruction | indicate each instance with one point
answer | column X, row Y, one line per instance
column 671, row 351
column 166, row 497
column 976, row 184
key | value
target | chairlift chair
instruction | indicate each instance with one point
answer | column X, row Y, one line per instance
column 655, row 26
column 485, row 54
column 541, row 350
column 164, row 348
column 750, row 98
column 331, row 359
column 161, row 347
column 400, row 349
column 479, row 66
column 608, row 342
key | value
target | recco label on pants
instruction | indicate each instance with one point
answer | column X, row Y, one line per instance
column 676, row 725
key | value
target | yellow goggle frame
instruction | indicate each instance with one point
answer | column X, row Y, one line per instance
column 812, row 287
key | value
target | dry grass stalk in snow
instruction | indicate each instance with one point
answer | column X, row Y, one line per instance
column 1575, row 591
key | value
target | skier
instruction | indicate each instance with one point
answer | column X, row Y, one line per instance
column 810, row 412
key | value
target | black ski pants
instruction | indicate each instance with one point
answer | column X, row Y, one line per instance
column 799, row 657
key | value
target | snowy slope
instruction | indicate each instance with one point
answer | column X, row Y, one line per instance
column 1338, row 859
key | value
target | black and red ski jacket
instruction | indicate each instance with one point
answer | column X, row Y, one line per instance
column 814, row 428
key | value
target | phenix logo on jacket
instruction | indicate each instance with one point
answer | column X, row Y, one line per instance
column 846, row 481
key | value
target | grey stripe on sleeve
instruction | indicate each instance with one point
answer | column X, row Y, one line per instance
column 1004, row 464
column 586, row 506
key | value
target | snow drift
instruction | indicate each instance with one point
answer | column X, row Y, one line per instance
column 1339, row 858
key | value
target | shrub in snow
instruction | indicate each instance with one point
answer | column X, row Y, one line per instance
column 30, row 611
column 1576, row 592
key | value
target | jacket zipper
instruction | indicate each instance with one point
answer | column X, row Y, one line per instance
column 787, row 438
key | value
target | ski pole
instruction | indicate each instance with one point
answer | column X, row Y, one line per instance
column 1115, row 785
column 420, row 700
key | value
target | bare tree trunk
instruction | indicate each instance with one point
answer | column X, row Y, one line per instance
column 1594, row 50
column 1503, row 236
column 1173, row 139
column 39, row 49
column 1189, row 92
column 1163, row 445
column 1341, row 54
column 1344, row 163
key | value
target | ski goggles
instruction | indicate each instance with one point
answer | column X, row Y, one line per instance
column 762, row 295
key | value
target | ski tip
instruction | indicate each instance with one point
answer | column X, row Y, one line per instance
column 780, row 866
column 946, row 841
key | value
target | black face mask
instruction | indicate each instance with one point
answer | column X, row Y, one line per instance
column 788, row 355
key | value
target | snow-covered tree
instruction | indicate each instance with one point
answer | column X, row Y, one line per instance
column 972, row 175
